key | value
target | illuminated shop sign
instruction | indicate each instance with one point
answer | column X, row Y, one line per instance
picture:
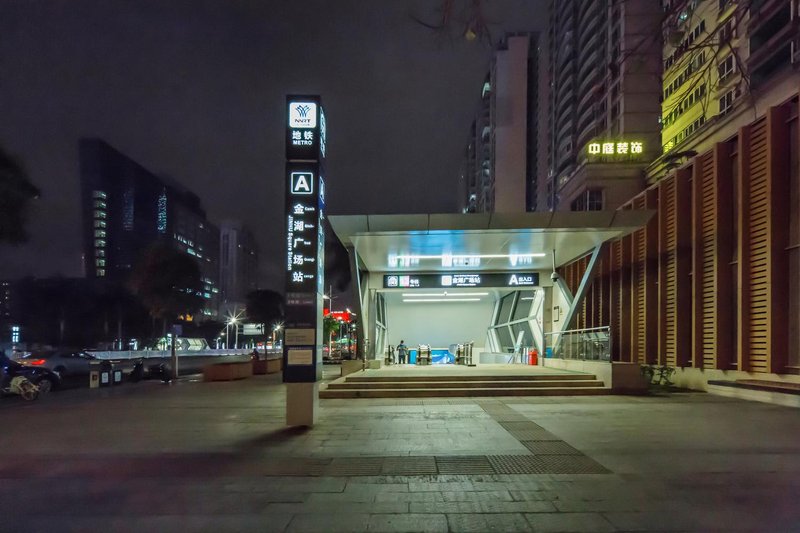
column 460, row 280
column 615, row 149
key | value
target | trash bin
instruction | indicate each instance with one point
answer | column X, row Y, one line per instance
column 116, row 376
column 105, row 374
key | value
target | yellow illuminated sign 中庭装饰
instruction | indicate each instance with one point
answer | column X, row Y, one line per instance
column 617, row 148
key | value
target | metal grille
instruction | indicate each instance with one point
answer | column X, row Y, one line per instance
column 468, row 464
column 409, row 466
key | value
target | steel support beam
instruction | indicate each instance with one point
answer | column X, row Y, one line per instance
column 355, row 283
column 583, row 288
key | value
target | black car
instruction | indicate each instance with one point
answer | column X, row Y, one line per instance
column 44, row 378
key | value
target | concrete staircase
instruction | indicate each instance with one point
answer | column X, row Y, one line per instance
column 361, row 386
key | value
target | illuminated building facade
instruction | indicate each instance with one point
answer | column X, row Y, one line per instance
column 725, row 63
column 126, row 208
column 711, row 285
column 604, row 70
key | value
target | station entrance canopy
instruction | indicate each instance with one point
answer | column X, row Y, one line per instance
column 390, row 253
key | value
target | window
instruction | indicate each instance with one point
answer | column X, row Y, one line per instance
column 726, row 68
column 99, row 194
column 99, row 252
column 728, row 30
column 726, row 102
column 100, row 262
column 99, row 223
column 99, row 243
column 101, row 272
column 100, row 204
column 99, row 233
column 99, row 214
column 594, row 200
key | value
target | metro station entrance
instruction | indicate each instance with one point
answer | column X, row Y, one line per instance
column 492, row 324
column 490, row 281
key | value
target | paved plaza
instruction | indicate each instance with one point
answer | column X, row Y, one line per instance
column 198, row 456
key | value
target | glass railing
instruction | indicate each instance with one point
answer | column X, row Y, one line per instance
column 591, row 344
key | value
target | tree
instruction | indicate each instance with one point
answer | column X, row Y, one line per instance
column 168, row 282
column 264, row 307
column 16, row 191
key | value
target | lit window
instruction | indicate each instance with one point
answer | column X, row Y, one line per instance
column 101, row 272
column 99, row 243
column 98, row 252
column 100, row 262
column 99, row 194
column 99, row 223
column 100, row 204
column 99, row 214
column 99, row 233
column 726, row 68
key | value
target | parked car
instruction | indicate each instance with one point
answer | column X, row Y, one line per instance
column 40, row 376
column 63, row 362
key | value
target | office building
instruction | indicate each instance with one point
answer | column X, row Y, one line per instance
column 505, row 154
column 238, row 262
column 604, row 70
column 126, row 208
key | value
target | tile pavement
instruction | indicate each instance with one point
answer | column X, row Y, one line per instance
column 192, row 456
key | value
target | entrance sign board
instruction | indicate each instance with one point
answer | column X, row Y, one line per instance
column 305, row 239
column 458, row 280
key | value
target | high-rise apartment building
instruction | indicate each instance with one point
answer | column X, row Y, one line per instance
column 505, row 154
column 238, row 263
column 725, row 63
column 604, row 70
column 126, row 208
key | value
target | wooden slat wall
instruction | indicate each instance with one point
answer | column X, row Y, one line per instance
column 665, row 289
column 712, row 234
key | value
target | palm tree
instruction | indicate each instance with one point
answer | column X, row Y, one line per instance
column 16, row 191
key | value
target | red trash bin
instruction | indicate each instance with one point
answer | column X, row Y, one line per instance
column 533, row 357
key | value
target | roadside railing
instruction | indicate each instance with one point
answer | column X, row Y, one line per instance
column 148, row 354
column 589, row 344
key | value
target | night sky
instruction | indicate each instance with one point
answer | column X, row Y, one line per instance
column 195, row 90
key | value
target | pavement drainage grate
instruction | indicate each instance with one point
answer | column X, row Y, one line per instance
column 355, row 466
column 409, row 466
column 464, row 465
column 551, row 447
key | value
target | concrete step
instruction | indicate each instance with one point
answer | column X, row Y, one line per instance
column 477, row 377
column 462, row 392
column 486, row 384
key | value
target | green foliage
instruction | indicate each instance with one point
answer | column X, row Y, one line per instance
column 330, row 325
column 658, row 374
column 16, row 192
column 168, row 282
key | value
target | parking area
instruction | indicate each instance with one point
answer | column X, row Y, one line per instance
column 216, row 457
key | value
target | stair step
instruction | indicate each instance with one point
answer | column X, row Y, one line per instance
column 428, row 379
column 485, row 384
column 470, row 392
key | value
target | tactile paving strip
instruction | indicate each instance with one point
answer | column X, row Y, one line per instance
column 552, row 447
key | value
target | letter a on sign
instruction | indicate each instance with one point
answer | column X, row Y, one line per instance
column 302, row 183
column 513, row 280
